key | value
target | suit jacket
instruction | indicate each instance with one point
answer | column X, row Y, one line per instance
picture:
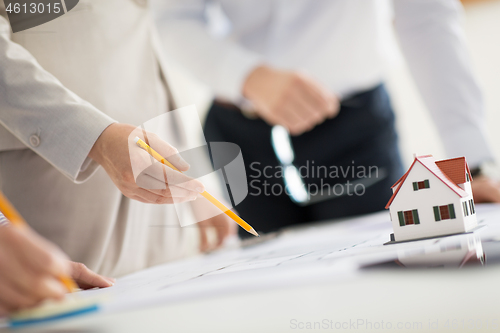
column 61, row 84
column 95, row 53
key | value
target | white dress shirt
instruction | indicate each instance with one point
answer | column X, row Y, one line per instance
column 345, row 44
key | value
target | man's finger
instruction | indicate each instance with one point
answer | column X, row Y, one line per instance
column 37, row 253
column 299, row 127
column 170, row 176
column 322, row 99
column 12, row 299
column 155, row 186
column 203, row 238
column 309, row 111
column 177, row 192
column 168, row 152
column 485, row 189
column 3, row 310
column 290, row 119
column 86, row 278
column 148, row 182
column 304, row 117
column 19, row 275
column 137, row 198
column 147, row 196
column 222, row 231
column 180, row 180
column 49, row 287
column 316, row 105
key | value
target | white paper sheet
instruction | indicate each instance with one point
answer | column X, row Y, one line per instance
column 307, row 255
column 312, row 254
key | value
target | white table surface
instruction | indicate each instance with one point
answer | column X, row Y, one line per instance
column 392, row 299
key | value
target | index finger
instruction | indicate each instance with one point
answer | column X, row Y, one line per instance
column 167, row 151
column 319, row 97
column 39, row 254
column 168, row 177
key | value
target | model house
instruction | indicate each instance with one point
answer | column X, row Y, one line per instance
column 433, row 198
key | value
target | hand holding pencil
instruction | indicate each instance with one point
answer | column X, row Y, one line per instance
column 32, row 269
column 204, row 193
column 133, row 173
column 139, row 179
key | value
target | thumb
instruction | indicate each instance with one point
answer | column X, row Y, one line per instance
column 204, row 245
column 168, row 152
column 87, row 279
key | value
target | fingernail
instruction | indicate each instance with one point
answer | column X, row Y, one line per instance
column 200, row 189
column 192, row 199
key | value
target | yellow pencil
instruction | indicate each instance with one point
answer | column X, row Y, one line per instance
column 17, row 220
column 207, row 195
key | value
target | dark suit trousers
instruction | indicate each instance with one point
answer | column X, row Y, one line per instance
column 362, row 136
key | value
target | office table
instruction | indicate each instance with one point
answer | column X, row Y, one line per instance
column 382, row 296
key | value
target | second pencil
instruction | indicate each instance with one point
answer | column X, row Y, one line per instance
column 205, row 194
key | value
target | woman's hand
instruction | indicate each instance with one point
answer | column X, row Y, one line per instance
column 30, row 268
column 136, row 174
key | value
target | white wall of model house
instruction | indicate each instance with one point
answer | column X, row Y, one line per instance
column 470, row 221
column 423, row 200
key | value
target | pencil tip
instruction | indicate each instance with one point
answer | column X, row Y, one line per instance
column 253, row 232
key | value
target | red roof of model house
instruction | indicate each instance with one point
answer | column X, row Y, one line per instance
column 455, row 169
column 451, row 172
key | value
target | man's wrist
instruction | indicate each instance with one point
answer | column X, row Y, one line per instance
column 96, row 151
column 486, row 169
column 253, row 81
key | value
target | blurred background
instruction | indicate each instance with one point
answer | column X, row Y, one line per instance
column 416, row 129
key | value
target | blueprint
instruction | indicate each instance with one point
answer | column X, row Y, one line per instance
column 322, row 252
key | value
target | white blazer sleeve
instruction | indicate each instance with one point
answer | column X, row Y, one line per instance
column 221, row 63
column 43, row 114
column 433, row 43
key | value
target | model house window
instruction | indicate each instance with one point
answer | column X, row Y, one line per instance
column 421, row 185
column 445, row 212
column 467, row 176
column 472, row 207
column 465, row 208
column 408, row 217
